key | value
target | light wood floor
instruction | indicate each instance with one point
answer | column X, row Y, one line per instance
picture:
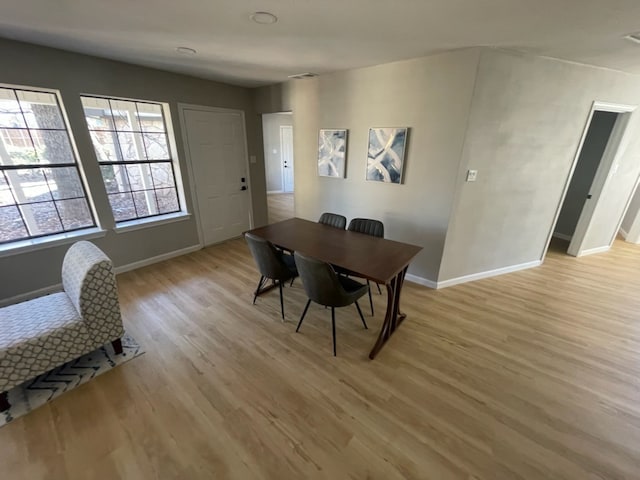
column 531, row 375
column 280, row 206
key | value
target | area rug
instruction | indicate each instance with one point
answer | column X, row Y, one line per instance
column 35, row 393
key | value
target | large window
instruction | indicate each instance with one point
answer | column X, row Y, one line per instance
column 41, row 191
column 131, row 143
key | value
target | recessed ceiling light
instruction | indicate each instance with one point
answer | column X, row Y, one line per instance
column 186, row 51
column 634, row 37
column 264, row 18
column 300, row 76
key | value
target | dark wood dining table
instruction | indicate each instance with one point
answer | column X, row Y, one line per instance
column 378, row 259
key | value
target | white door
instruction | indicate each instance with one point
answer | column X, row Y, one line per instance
column 610, row 156
column 216, row 143
column 286, row 149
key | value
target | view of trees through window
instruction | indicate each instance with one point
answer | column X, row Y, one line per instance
column 41, row 192
column 130, row 140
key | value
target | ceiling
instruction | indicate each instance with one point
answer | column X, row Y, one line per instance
column 321, row 36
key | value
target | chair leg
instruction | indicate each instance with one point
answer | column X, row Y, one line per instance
column 304, row 312
column 370, row 299
column 258, row 289
column 117, row 346
column 379, row 291
column 292, row 279
column 4, row 402
column 361, row 316
column 281, row 299
column 333, row 328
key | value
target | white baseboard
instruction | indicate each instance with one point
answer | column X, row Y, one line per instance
column 273, row 192
column 623, row 233
column 29, row 295
column 562, row 236
column 591, row 251
column 420, row 280
column 123, row 268
column 487, row 274
column 156, row 259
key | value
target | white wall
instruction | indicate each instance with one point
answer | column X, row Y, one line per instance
column 525, row 125
column 430, row 95
column 271, row 124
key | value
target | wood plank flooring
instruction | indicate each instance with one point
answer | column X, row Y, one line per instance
column 531, row 375
column 280, row 206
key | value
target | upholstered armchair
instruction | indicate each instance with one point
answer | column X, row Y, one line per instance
column 45, row 332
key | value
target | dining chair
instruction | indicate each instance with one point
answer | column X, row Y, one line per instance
column 333, row 220
column 368, row 226
column 325, row 287
column 272, row 263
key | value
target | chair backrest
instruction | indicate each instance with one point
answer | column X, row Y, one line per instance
column 90, row 283
column 333, row 220
column 367, row 226
column 320, row 281
column 268, row 259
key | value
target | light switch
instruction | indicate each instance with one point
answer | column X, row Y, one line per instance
column 275, row 151
column 472, row 175
column 252, row 158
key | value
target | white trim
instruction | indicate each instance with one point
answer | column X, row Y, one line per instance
column 156, row 259
column 273, row 192
column 596, row 105
column 623, row 233
column 121, row 269
column 591, row 251
column 562, row 236
column 182, row 107
column 30, row 295
column 142, row 223
column 616, row 144
column 488, row 273
column 420, row 280
column 40, row 243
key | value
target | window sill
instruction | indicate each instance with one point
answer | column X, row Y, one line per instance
column 24, row 246
column 132, row 225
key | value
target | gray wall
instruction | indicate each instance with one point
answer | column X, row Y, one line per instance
column 526, row 122
column 430, row 95
column 271, row 123
column 631, row 222
column 74, row 74
column 590, row 155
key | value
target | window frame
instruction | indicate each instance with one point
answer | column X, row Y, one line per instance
column 54, row 237
column 144, row 221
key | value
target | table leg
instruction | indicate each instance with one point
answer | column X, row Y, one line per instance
column 393, row 317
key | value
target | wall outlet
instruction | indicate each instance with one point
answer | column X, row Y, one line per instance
column 472, row 175
column 252, row 159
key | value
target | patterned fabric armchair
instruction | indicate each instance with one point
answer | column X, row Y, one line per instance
column 43, row 333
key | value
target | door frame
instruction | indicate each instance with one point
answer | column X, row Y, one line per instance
column 617, row 143
column 182, row 108
column 284, row 189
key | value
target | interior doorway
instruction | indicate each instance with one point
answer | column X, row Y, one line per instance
column 216, row 148
column 277, row 131
column 596, row 161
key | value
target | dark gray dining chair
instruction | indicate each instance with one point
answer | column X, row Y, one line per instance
column 333, row 220
column 368, row 226
column 272, row 263
column 325, row 287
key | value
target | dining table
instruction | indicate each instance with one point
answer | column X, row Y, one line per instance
column 377, row 259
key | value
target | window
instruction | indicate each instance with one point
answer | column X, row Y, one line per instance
column 131, row 143
column 41, row 191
